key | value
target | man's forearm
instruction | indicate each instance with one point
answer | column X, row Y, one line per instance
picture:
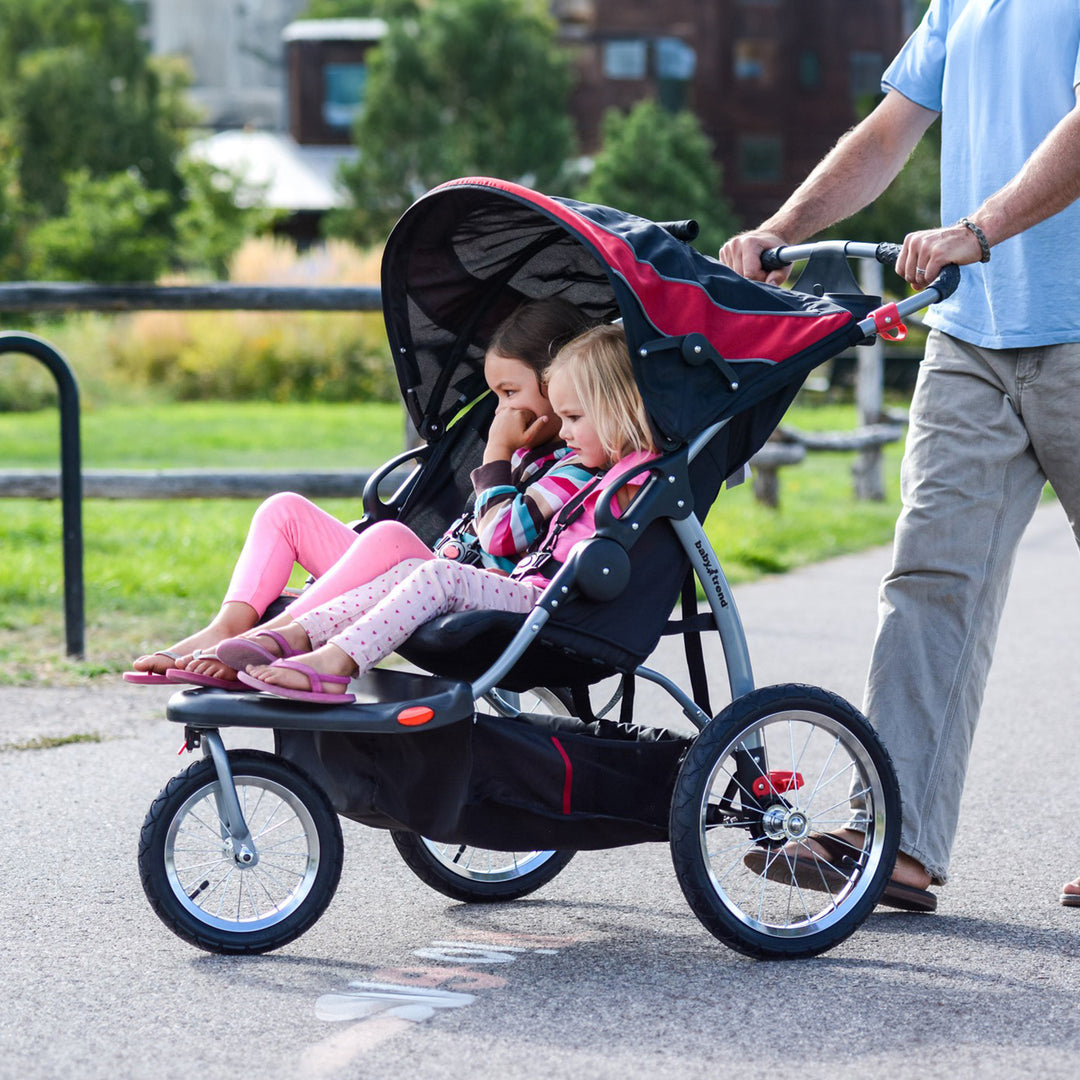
column 1048, row 182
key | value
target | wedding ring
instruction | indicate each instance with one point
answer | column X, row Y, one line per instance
column 920, row 271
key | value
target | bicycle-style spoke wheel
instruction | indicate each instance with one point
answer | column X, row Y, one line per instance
column 777, row 770
column 227, row 897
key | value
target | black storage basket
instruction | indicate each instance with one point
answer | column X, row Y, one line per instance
column 534, row 782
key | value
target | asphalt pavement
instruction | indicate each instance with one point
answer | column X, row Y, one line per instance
column 605, row 972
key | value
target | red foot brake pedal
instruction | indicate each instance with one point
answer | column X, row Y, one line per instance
column 776, row 781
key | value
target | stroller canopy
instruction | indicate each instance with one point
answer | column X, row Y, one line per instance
column 466, row 254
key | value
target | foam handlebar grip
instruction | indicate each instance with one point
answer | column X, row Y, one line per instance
column 946, row 282
column 771, row 260
column 887, row 254
column 682, row 230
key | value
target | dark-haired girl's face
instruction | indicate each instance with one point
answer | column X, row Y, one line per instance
column 516, row 386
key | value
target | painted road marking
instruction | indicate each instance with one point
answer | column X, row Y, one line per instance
column 397, row 998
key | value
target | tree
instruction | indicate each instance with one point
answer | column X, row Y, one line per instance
column 359, row 9
column 113, row 230
column 78, row 91
column 660, row 165
column 212, row 224
column 465, row 87
column 96, row 120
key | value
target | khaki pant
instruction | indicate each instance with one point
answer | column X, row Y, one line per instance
column 988, row 429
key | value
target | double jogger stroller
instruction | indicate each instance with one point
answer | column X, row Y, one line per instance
column 488, row 758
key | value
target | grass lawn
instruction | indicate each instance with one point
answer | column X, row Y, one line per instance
column 156, row 569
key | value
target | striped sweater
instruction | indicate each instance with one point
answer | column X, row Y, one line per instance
column 516, row 499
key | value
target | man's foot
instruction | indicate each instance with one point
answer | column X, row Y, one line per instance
column 1070, row 893
column 817, row 863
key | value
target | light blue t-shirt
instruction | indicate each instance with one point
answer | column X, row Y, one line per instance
column 1002, row 73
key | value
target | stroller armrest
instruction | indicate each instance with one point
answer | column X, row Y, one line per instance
column 375, row 507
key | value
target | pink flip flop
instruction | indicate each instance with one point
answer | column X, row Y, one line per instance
column 152, row 678
column 197, row 678
column 316, row 694
column 238, row 652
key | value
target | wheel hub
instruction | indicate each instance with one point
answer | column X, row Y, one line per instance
column 783, row 823
column 244, row 856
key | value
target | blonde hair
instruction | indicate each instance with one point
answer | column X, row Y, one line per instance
column 597, row 363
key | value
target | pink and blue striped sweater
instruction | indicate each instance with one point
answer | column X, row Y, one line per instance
column 516, row 499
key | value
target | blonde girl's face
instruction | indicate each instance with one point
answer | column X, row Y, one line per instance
column 516, row 387
column 577, row 429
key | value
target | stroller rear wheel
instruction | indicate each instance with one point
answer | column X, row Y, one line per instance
column 230, row 898
column 776, row 768
column 477, row 875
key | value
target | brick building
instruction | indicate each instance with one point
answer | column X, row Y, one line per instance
column 773, row 82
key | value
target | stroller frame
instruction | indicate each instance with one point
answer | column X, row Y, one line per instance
column 738, row 825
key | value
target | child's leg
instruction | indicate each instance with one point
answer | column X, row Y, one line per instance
column 323, row 622
column 385, row 548
column 285, row 530
column 433, row 588
column 378, row 549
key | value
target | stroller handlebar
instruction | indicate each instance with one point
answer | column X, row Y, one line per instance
column 682, row 230
column 944, row 285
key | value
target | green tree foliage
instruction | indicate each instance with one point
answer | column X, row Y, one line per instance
column 359, row 9
column 465, row 87
column 112, row 231
column 77, row 91
column 660, row 165
column 96, row 120
column 213, row 222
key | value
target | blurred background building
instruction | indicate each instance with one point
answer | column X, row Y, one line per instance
column 773, row 82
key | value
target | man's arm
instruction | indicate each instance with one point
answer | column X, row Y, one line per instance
column 854, row 173
column 1048, row 182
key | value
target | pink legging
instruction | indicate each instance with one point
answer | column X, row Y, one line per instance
column 369, row 622
column 288, row 529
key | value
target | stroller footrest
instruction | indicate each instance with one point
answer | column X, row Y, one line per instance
column 387, row 701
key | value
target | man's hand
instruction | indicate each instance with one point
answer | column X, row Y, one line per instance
column 512, row 429
column 926, row 253
column 743, row 254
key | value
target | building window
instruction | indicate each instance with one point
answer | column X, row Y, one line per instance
column 761, row 159
column 755, row 61
column 626, row 59
column 675, row 63
column 866, row 71
column 809, row 70
column 343, row 93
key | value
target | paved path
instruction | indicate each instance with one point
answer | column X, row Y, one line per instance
column 605, row 972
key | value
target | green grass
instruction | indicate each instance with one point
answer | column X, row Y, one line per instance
column 156, row 569
column 256, row 435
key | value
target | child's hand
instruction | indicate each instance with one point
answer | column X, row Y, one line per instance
column 512, row 429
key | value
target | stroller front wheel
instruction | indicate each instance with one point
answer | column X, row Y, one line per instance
column 778, row 767
column 230, row 898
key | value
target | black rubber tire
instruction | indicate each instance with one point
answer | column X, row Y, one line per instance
column 315, row 860
column 501, row 878
column 781, row 919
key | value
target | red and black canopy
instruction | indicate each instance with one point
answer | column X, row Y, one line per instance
column 468, row 252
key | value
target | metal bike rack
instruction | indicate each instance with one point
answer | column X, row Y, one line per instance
column 70, row 480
